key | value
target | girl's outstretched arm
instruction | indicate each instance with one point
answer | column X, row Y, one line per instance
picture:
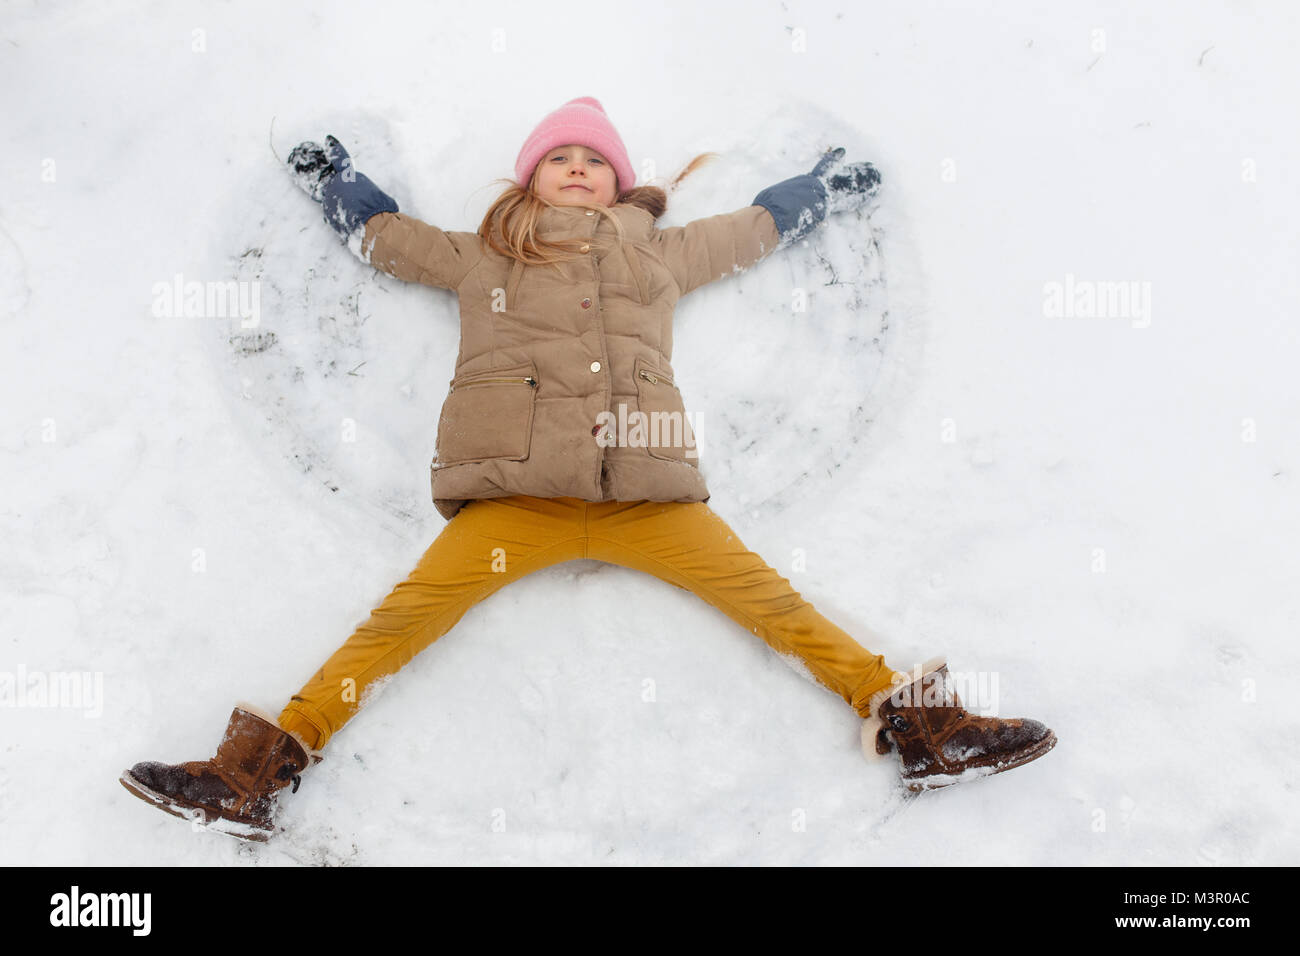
column 414, row 251
column 717, row 246
column 368, row 220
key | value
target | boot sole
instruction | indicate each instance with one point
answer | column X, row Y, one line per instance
column 206, row 817
column 980, row 771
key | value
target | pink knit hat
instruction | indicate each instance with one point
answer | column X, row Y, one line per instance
column 581, row 121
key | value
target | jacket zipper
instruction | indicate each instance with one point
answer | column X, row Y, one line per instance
column 513, row 379
column 656, row 379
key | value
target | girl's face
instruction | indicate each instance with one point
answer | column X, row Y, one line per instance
column 574, row 174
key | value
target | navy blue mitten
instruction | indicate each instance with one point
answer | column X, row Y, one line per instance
column 797, row 205
column 348, row 198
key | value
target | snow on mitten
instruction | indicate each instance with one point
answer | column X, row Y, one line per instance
column 310, row 168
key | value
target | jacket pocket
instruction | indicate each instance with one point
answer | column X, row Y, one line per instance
column 667, row 432
column 488, row 415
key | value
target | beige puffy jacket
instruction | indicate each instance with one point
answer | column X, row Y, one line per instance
column 548, row 354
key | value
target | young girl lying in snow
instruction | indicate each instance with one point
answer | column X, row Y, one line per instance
column 566, row 294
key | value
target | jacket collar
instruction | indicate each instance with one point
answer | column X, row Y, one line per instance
column 637, row 223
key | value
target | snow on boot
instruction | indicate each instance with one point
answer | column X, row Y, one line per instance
column 938, row 741
column 234, row 792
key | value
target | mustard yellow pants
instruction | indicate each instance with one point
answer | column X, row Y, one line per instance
column 493, row 541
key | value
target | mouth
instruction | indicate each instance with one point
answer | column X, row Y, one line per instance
column 575, row 186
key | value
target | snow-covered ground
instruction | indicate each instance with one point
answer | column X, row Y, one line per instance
column 1093, row 515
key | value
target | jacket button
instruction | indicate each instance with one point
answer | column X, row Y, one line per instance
column 590, row 213
column 586, row 303
column 595, row 366
column 585, row 248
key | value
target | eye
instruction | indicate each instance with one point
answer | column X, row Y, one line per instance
column 597, row 161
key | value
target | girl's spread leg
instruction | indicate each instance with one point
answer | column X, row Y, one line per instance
column 688, row 545
column 486, row 545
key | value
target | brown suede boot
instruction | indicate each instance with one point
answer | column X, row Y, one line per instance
column 235, row 791
column 938, row 742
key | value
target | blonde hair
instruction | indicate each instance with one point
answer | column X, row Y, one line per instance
column 510, row 224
